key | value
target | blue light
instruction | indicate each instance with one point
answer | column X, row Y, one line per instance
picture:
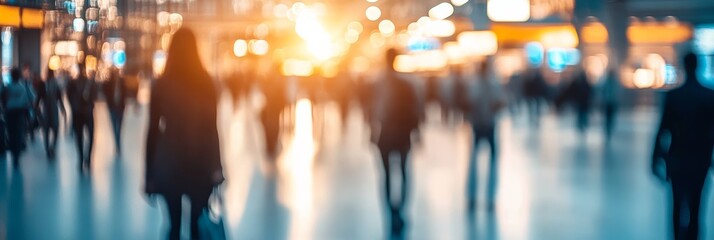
column 119, row 58
column 572, row 56
column 670, row 74
column 534, row 53
column 422, row 44
column 557, row 59
column 78, row 25
column 70, row 6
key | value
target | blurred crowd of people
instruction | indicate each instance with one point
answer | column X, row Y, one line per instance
column 183, row 150
column 34, row 105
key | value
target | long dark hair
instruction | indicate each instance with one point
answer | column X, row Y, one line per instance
column 183, row 65
column 50, row 74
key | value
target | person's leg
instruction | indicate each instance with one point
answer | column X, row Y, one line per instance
column 387, row 178
column 116, row 117
column 679, row 208
column 693, row 202
column 53, row 142
column 493, row 167
column 15, row 155
column 404, row 157
column 78, row 129
column 472, row 184
column 46, row 132
column 90, row 140
column 199, row 202
column 173, row 202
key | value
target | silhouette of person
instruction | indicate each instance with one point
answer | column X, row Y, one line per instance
column 489, row 98
column 535, row 90
column 688, row 120
column 18, row 99
column 398, row 119
column 581, row 94
column 52, row 104
column 82, row 93
column 610, row 98
column 34, row 114
column 182, row 148
column 115, row 92
column 275, row 101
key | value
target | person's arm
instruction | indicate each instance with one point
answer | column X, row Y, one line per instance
column 659, row 151
column 151, row 138
column 60, row 101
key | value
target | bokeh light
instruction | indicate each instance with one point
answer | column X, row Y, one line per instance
column 373, row 13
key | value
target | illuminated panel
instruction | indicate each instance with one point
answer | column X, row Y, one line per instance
column 32, row 18
column 478, row 43
column 509, row 10
column 659, row 33
column 520, row 34
column 9, row 16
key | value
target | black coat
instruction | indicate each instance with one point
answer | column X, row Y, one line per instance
column 182, row 149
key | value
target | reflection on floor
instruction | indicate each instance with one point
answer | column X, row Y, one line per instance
column 552, row 183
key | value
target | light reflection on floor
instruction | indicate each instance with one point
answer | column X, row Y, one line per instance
column 552, row 184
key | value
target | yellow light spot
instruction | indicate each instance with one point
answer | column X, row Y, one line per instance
column 240, row 48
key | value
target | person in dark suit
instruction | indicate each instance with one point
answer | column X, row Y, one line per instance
column 182, row 147
column 398, row 118
column 115, row 92
column 52, row 104
column 82, row 94
column 688, row 121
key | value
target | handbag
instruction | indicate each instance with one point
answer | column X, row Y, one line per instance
column 211, row 224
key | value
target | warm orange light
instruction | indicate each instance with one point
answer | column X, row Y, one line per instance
column 9, row 16
column 54, row 63
column 478, row 43
column 455, row 53
column 297, row 67
column 32, row 18
column 511, row 34
column 643, row 78
column 594, row 32
column 661, row 33
column 405, row 64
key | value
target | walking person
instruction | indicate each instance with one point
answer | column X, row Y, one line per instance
column 398, row 118
column 17, row 98
column 115, row 92
column 35, row 116
column 582, row 98
column 488, row 100
column 182, row 148
column 610, row 101
column 688, row 120
column 82, row 94
column 52, row 104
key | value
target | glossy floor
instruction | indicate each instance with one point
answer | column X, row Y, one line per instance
column 552, row 183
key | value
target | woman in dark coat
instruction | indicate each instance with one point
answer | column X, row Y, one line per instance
column 182, row 148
